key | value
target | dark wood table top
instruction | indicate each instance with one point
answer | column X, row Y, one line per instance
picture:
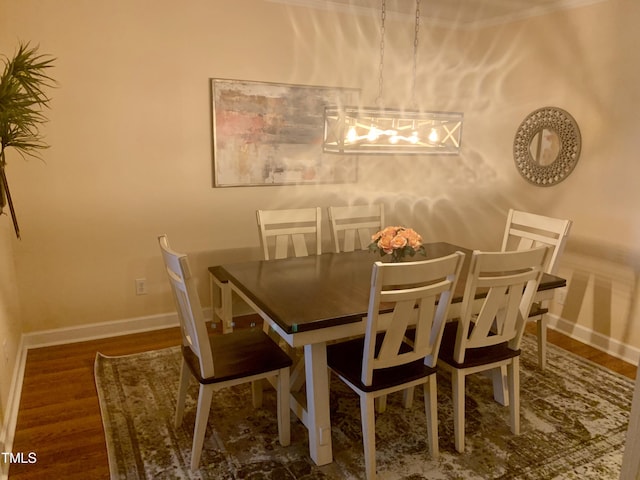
column 320, row 291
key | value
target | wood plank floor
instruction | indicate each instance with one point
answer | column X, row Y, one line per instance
column 59, row 416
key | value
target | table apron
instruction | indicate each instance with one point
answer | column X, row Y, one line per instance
column 307, row 337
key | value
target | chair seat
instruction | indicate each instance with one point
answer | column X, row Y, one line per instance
column 239, row 354
column 537, row 309
column 473, row 356
column 345, row 358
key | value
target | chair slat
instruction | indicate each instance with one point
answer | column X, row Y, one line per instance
column 349, row 241
column 299, row 245
column 282, row 246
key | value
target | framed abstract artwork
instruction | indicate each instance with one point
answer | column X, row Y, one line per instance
column 271, row 134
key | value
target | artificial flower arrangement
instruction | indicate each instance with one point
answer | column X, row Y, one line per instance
column 397, row 242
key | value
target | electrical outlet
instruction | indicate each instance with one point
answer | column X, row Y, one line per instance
column 561, row 295
column 141, row 286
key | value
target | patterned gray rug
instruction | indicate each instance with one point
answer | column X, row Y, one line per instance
column 573, row 420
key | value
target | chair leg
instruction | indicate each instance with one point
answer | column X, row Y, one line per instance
column 431, row 411
column 407, row 397
column 284, row 422
column 458, row 381
column 381, row 404
column 202, row 416
column 500, row 387
column 513, row 370
column 542, row 341
column 185, row 376
column 256, row 393
column 367, row 413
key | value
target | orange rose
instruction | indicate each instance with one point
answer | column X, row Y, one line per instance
column 385, row 243
column 387, row 231
column 413, row 238
column 399, row 241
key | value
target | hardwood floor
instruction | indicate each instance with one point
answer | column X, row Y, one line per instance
column 59, row 416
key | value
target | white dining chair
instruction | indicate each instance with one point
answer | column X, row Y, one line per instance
column 490, row 340
column 381, row 362
column 295, row 232
column 219, row 361
column 526, row 230
column 352, row 226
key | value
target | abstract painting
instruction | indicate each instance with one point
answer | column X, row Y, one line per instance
column 271, row 134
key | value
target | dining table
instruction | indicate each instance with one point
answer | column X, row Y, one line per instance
column 313, row 300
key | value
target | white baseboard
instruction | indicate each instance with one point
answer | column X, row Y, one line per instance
column 93, row 331
column 597, row 340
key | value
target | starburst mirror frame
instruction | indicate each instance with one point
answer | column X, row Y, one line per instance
column 547, row 146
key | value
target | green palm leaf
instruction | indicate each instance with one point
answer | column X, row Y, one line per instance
column 23, row 99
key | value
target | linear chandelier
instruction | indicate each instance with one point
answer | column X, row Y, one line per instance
column 377, row 130
column 387, row 131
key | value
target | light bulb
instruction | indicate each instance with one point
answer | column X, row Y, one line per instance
column 351, row 135
column 373, row 134
column 414, row 138
column 433, row 136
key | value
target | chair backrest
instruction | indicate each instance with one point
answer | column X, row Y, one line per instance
column 420, row 294
column 289, row 227
column 510, row 280
column 185, row 294
column 353, row 226
column 528, row 230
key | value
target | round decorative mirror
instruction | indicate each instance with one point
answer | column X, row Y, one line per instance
column 547, row 146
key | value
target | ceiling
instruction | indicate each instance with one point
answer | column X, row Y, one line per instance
column 458, row 13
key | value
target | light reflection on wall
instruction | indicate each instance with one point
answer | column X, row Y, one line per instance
column 458, row 70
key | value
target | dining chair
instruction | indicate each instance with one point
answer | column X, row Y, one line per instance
column 291, row 229
column 490, row 339
column 219, row 361
column 528, row 230
column 353, row 226
column 381, row 362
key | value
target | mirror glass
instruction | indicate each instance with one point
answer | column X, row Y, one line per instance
column 544, row 147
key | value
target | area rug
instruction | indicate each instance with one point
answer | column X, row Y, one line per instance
column 574, row 417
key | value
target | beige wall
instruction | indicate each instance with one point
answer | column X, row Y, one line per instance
column 130, row 154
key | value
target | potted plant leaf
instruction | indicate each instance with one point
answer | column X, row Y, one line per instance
column 22, row 102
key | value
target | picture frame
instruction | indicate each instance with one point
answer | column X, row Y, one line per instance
column 271, row 134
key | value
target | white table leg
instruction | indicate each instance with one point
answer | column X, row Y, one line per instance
column 221, row 303
column 317, row 385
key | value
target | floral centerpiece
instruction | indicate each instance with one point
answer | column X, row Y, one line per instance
column 397, row 242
